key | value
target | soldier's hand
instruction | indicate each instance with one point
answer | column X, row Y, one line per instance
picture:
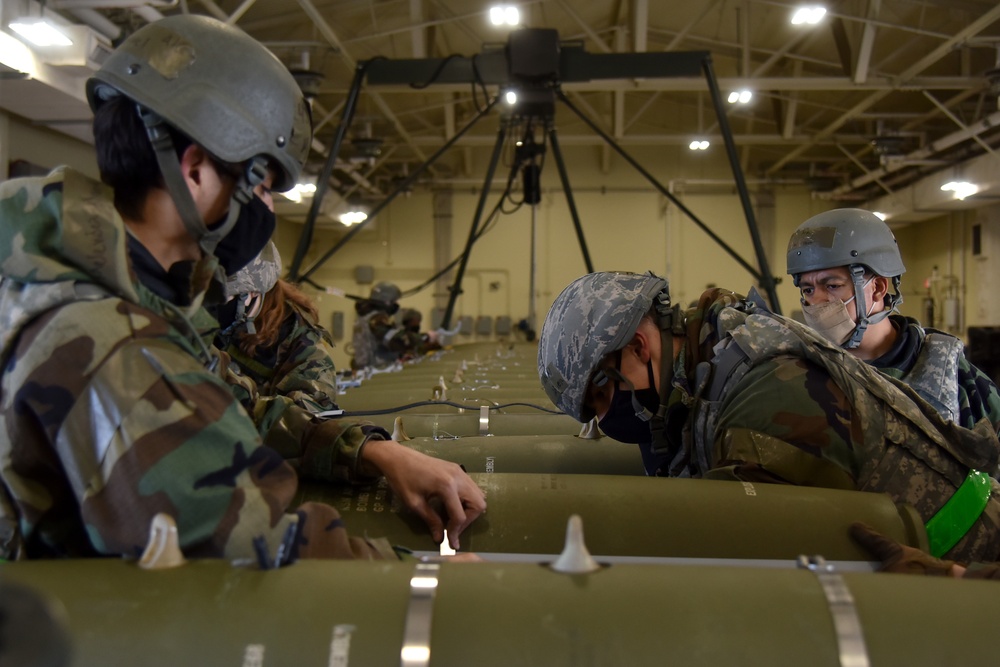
column 900, row 558
column 417, row 479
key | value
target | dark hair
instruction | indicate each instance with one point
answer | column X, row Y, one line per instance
column 125, row 157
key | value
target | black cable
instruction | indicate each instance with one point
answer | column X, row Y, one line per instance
column 478, row 78
column 437, row 72
column 487, row 226
column 408, row 406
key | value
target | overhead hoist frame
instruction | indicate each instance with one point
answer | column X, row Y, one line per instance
column 493, row 68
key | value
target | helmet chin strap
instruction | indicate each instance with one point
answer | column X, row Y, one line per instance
column 858, row 278
column 170, row 168
column 670, row 321
column 641, row 411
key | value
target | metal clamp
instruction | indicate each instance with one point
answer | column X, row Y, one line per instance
column 416, row 651
column 850, row 638
column 484, row 420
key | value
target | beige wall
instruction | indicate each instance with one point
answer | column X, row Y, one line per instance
column 627, row 223
column 43, row 147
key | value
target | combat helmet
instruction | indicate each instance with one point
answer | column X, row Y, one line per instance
column 386, row 295
column 223, row 89
column 594, row 316
column 857, row 239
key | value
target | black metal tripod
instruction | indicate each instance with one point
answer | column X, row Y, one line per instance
column 491, row 70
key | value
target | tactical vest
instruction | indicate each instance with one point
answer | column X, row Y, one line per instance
column 909, row 450
column 934, row 375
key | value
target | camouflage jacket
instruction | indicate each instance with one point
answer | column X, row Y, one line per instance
column 299, row 365
column 759, row 397
column 933, row 363
column 378, row 341
column 109, row 414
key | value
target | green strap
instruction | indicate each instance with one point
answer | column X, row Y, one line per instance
column 963, row 509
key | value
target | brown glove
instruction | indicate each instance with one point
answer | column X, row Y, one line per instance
column 899, row 558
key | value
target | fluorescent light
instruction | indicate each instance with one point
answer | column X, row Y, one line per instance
column 511, row 97
column 697, row 145
column 40, row 33
column 961, row 189
column 299, row 191
column 414, row 654
column 505, row 15
column 16, row 55
column 808, row 15
column 741, row 96
column 880, row 215
column 352, row 218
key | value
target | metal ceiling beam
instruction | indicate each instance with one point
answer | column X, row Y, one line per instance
column 240, row 11
column 777, row 83
column 941, row 144
column 418, row 37
column 788, row 126
column 867, row 20
column 640, row 25
column 324, row 28
column 918, row 120
column 675, row 139
column 214, row 9
column 865, row 170
column 953, row 118
column 680, row 36
column 584, row 26
column 974, row 28
column 867, row 43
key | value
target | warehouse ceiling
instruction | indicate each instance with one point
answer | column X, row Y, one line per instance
column 864, row 104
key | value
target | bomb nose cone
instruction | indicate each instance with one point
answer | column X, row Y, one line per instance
column 163, row 550
column 575, row 559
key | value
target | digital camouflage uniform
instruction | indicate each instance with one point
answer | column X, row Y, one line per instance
column 797, row 409
column 934, row 365
column 378, row 341
column 109, row 413
column 299, row 365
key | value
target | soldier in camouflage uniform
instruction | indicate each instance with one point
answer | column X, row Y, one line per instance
column 844, row 262
column 112, row 404
column 420, row 343
column 283, row 349
column 728, row 390
column 378, row 341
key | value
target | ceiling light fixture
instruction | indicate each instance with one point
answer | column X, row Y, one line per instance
column 741, row 96
column 510, row 97
column 961, row 189
column 881, row 216
column 505, row 15
column 808, row 15
column 40, row 33
column 697, row 145
column 15, row 54
column 300, row 190
column 351, row 218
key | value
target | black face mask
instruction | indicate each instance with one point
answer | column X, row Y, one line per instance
column 621, row 421
column 253, row 229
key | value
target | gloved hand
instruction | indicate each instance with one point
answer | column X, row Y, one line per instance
column 899, row 558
